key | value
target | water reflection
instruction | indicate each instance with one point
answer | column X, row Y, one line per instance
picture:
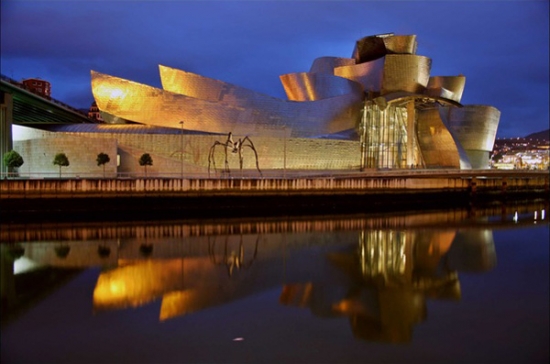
column 389, row 276
column 377, row 272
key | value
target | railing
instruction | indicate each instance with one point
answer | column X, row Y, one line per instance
column 358, row 182
column 280, row 174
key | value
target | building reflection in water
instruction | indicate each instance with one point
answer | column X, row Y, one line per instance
column 391, row 274
column 378, row 273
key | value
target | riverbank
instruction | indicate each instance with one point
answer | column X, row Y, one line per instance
column 54, row 199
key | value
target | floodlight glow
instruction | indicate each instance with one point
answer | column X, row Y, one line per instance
column 25, row 264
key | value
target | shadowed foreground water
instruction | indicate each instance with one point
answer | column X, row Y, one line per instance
column 447, row 286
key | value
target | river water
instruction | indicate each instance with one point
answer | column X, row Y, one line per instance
column 459, row 286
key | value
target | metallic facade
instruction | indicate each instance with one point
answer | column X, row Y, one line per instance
column 475, row 128
column 260, row 115
column 450, row 87
column 317, row 86
column 383, row 96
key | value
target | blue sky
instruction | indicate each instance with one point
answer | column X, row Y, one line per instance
column 500, row 46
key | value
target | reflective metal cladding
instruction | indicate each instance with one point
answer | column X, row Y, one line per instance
column 383, row 97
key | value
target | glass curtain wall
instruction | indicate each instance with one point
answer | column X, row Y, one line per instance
column 384, row 136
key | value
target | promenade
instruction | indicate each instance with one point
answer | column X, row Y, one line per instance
column 254, row 194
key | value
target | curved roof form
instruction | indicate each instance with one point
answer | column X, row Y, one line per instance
column 450, row 87
column 369, row 74
column 328, row 64
column 401, row 44
column 209, row 89
column 305, row 86
column 264, row 116
column 376, row 46
column 390, row 73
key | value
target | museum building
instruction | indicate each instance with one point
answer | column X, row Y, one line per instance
column 378, row 109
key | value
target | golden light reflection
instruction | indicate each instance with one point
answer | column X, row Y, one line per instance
column 136, row 284
column 117, row 289
column 177, row 303
column 430, row 247
column 349, row 307
column 297, row 294
column 107, row 91
column 116, row 93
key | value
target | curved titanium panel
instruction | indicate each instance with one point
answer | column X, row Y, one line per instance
column 262, row 116
column 401, row 44
column 190, row 84
column 475, row 127
column 406, row 73
column 436, row 143
column 370, row 48
column 377, row 46
column 368, row 74
column 317, row 86
column 450, row 87
column 200, row 87
column 328, row 64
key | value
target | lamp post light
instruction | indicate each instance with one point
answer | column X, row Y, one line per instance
column 181, row 155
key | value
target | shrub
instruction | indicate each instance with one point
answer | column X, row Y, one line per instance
column 102, row 159
column 13, row 160
column 145, row 160
column 61, row 160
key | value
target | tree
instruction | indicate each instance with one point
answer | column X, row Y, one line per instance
column 13, row 160
column 145, row 160
column 102, row 159
column 61, row 160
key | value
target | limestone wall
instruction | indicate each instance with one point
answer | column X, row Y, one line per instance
column 300, row 153
column 170, row 151
column 38, row 156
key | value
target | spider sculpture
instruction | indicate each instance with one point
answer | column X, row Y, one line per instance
column 234, row 147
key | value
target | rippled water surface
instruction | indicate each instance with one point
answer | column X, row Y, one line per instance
column 447, row 286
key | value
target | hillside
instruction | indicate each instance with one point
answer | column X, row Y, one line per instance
column 541, row 135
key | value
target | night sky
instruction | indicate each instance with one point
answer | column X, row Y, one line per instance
column 500, row 46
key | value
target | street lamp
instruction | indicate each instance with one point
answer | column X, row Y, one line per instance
column 181, row 155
